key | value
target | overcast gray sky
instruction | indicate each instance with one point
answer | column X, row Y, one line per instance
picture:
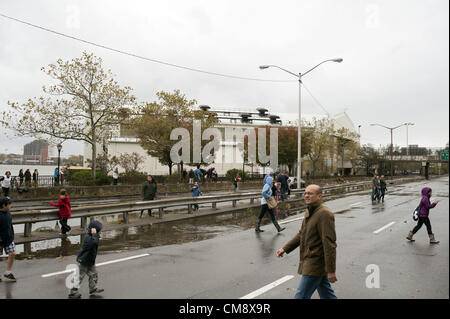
column 395, row 68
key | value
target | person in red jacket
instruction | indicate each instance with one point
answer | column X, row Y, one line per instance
column 64, row 210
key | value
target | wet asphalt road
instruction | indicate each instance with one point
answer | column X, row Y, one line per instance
column 234, row 264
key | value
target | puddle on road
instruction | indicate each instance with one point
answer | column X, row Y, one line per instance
column 145, row 236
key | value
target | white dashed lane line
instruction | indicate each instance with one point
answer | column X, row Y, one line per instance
column 266, row 288
column 97, row 265
column 383, row 228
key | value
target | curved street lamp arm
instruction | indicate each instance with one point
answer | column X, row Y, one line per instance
column 399, row 126
column 275, row 66
column 382, row 126
column 317, row 66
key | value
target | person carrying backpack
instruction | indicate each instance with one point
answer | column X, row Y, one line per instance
column 425, row 206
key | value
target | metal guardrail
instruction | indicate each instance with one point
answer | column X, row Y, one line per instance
column 33, row 216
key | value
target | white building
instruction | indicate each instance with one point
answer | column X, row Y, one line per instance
column 228, row 119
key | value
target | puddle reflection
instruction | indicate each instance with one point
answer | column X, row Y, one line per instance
column 139, row 237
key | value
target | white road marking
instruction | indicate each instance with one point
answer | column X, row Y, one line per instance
column 291, row 220
column 356, row 204
column 383, row 228
column 97, row 265
column 266, row 288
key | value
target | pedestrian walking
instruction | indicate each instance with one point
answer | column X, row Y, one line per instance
column 203, row 175
column 209, row 174
column 283, row 179
column 195, row 193
column 6, row 183
column 236, row 182
column 61, row 175
column 21, row 176
column 56, row 176
column 198, row 174
column 375, row 188
column 191, row 176
column 115, row 176
column 317, row 241
column 27, row 178
column 35, row 178
column 64, row 210
column 215, row 176
column 149, row 190
column 184, row 174
column 266, row 194
column 276, row 187
column 7, row 237
column 86, row 261
column 383, row 188
column 425, row 206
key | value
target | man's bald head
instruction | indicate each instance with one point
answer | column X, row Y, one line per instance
column 313, row 194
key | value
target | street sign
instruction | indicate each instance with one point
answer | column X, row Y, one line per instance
column 444, row 155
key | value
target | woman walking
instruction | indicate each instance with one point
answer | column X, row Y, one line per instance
column 149, row 190
column 266, row 194
column 425, row 206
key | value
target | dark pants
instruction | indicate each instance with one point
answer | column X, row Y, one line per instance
column 64, row 227
column 423, row 220
column 283, row 192
column 382, row 192
column 5, row 191
column 265, row 208
column 149, row 211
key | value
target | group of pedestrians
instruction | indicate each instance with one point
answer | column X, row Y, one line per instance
column 7, row 181
column 316, row 238
column 202, row 176
column 378, row 188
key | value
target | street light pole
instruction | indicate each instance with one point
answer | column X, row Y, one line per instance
column 407, row 144
column 299, row 76
column 392, row 145
column 299, row 146
column 59, row 147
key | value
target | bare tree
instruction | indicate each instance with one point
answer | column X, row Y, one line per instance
column 83, row 105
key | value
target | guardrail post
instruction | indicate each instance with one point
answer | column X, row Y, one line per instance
column 234, row 203
column 214, row 205
column 125, row 217
column 252, row 201
column 161, row 212
column 189, row 209
column 83, row 223
column 27, row 230
column 27, row 248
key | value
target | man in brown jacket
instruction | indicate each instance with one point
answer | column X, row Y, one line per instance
column 317, row 241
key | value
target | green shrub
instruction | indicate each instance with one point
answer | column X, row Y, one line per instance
column 84, row 178
column 132, row 178
column 231, row 174
column 102, row 179
column 81, row 178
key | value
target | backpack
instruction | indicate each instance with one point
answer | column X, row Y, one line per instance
column 416, row 212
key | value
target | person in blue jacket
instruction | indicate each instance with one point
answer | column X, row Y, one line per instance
column 195, row 193
column 266, row 193
column 86, row 261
